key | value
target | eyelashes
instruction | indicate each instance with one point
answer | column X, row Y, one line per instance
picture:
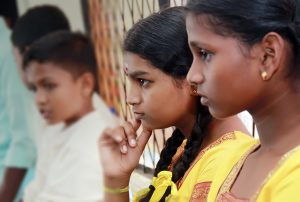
column 143, row 82
column 205, row 55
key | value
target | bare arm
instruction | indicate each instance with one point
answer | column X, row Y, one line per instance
column 12, row 180
column 116, row 183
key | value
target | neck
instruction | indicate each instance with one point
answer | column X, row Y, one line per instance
column 84, row 111
column 186, row 125
column 219, row 127
column 278, row 122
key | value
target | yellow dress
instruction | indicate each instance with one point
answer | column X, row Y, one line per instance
column 195, row 184
column 282, row 183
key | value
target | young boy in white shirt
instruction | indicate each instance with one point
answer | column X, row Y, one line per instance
column 61, row 70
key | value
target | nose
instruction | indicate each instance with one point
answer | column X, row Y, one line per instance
column 40, row 97
column 133, row 96
column 195, row 74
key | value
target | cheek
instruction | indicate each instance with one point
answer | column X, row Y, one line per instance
column 158, row 105
column 230, row 99
column 222, row 76
column 174, row 103
column 153, row 102
column 63, row 98
column 216, row 85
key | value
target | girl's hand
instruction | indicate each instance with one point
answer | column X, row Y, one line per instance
column 120, row 149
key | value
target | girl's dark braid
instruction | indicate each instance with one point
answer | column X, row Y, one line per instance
column 193, row 144
column 169, row 151
column 165, row 159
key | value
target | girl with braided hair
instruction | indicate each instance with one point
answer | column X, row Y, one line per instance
column 254, row 45
column 157, row 60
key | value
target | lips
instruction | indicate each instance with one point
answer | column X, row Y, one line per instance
column 45, row 113
column 138, row 115
column 204, row 100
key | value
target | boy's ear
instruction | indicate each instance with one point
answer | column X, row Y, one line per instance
column 88, row 83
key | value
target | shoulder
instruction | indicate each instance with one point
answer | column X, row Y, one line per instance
column 206, row 165
column 4, row 38
column 232, row 142
column 285, row 181
column 226, row 162
column 229, row 145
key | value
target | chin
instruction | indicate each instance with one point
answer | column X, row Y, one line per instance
column 218, row 114
column 147, row 125
column 52, row 122
column 150, row 126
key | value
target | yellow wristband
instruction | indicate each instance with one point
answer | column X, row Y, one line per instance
column 116, row 190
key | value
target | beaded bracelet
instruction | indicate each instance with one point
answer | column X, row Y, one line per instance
column 116, row 190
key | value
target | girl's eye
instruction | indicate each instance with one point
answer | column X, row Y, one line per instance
column 143, row 82
column 205, row 55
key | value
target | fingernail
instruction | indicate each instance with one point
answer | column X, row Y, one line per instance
column 124, row 148
column 119, row 138
column 132, row 142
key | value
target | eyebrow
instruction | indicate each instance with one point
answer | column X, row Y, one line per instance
column 196, row 44
column 43, row 80
column 136, row 74
column 200, row 45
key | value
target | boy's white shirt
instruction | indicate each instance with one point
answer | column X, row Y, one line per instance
column 68, row 166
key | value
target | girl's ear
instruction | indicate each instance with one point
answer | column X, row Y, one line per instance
column 272, row 49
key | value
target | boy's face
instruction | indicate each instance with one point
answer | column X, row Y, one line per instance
column 59, row 96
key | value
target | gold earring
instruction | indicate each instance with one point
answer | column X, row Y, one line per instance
column 194, row 90
column 264, row 75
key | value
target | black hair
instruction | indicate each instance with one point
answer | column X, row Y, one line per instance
column 73, row 52
column 8, row 9
column 250, row 21
column 37, row 22
column 162, row 40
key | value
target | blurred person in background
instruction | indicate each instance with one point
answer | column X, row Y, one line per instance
column 61, row 70
column 17, row 147
column 19, row 120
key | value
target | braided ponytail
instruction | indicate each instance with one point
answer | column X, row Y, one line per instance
column 194, row 143
column 166, row 156
column 169, row 150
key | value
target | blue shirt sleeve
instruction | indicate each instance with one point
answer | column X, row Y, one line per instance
column 17, row 112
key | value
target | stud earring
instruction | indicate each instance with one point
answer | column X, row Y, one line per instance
column 194, row 90
column 264, row 75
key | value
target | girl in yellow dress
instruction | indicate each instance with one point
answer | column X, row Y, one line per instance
column 246, row 57
column 157, row 59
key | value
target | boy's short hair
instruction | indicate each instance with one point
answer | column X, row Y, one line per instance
column 72, row 51
column 37, row 22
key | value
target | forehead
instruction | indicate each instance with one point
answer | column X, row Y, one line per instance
column 198, row 29
column 193, row 21
column 200, row 32
column 37, row 71
column 134, row 62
